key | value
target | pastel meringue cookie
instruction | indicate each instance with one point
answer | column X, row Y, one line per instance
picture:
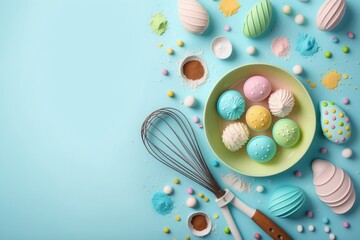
column 286, row 132
column 261, row 149
column 287, row 201
column 258, row 118
column 330, row 14
column 231, row 105
column 235, row 135
column 281, row 102
column 193, row 16
column 258, row 19
column 257, row 88
column 335, row 123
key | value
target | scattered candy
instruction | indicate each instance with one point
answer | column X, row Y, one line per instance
column 190, row 191
column 180, row 43
column 227, row 230
column 328, row 54
column 166, row 230
column 325, row 220
column 196, row 119
column 287, row 9
column 309, row 214
column 160, row 44
column 206, row 199
column 260, row 188
column 346, row 101
column 297, row 69
column 346, row 225
column 300, row 228
column 200, row 125
column 227, row 28
column 299, row 19
column 350, row 35
column 251, row 50
column 191, row 202
column 216, row 216
column 170, row 51
column 187, row 237
column 334, row 39
column 176, row 180
column 345, row 76
column 257, row 236
column 346, row 153
column 177, row 218
column 165, row 72
column 345, row 49
column 332, row 236
column 168, row 190
column 311, row 228
column 201, row 195
column 323, row 150
column 189, row 101
column 298, row 173
column 170, row 93
column 215, row 163
column 327, row 229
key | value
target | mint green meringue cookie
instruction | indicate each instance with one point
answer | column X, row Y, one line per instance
column 257, row 21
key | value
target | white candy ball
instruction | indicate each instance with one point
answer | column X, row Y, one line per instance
column 327, row 229
column 347, row 153
column 189, row 101
column 286, row 9
column 311, row 228
column 300, row 228
column 168, row 190
column 251, row 50
column 297, row 69
column 260, row 188
column 299, row 19
column 332, row 236
column 191, row 202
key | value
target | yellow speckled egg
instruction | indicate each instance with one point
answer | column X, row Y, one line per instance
column 258, row 118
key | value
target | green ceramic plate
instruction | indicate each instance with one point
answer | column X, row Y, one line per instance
column 303, row 113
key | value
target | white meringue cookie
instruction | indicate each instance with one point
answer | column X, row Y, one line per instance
column 281, row 102
column 235, row 136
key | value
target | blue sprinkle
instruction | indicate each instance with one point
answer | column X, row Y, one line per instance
column 334, row 39
column 215, row 163
column 306, row 45
column 325, row 220
column 162, row 203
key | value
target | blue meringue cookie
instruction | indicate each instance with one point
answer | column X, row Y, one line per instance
column 231, row 105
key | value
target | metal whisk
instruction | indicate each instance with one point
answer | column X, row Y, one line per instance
column 168, row 136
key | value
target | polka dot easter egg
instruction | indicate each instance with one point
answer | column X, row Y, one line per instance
column 261, row 149
column 335, row 124
column 258, row 118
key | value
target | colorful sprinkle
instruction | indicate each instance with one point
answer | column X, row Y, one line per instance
column 323, row 150
column 196, row 119
column 201, row 195
column 332, row 236
column 298, row 173
column 260, row 188
column 190, row 191
column 300, row 228
column 168, row 190
column 257, row 236
column 346, row 153
column 325, row 220
column 351, row 35
column 177, row 218
column 299, row 19
column 180, row 43
column 187, row 237
column 227, row 230
column 328, row 54
column 170, row 51
column 216, row 216
column 191, row 202
column 297, row 69
column 206, row 199
column 166, row 230
column 311, row 228
column 165, row 72
column 215, row 163
column 170, row 93
column 287, row 9
column 251, row 50
column 327, row 229
column 176, row 181
column 160, row 44
column 346, row 224
column 345, row 49
column 346, row 101
column 334, row 39
column 227, row 28
column 309, row 214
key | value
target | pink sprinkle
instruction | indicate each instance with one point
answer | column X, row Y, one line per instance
column 346, row 101
column 351, row 35
column 336, row 141
column 196, row 119
column 200, row 125
column 165, row 72
column 227, row 28
column 323, row 150
column 347, row 120
column 332, row 126
column 298, row 173
column 257, row 236
column 190, row 191
column 333, row 118
column 343, row 139
column 326, row 112
column 280, row 47
column 309, row 214
column 346, row 225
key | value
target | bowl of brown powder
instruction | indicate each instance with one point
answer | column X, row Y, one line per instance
column 193, row 71
column 199, row 224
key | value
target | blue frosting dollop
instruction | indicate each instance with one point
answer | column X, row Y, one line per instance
column 231, row 105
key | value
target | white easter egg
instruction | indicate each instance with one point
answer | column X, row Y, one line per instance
column 193, row 16
column 330, row 14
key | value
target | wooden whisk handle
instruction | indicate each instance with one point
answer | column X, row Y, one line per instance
column 271, row 228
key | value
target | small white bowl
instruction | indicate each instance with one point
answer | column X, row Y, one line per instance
column 221, row 47
column 203, row 232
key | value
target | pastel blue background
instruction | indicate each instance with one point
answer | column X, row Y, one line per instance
column 77, row 78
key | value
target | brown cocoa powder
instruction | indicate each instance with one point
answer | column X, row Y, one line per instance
column 199, row 222
column 193, row 70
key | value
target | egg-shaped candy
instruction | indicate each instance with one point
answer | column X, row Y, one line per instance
column 287, row 201
column 261, row 149
column 330, row 14
column 286, row 132
column 193, row 16
column 258, row 118
column 231, row 105
column 257, row 88
column 258, row 19
column 335, row 123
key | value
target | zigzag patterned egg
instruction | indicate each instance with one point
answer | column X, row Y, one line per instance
column 193, row 16
column 335, row 124
column 330, row 14
column 257, row 21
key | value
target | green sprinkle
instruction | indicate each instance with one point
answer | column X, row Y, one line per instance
column 345, row 49
column 227, row 230
column 325, row 104
column 328, row 54
column 332, row 103
column 341, row 124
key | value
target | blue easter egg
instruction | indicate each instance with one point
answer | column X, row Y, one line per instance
column 231, row 105
column 261, row 149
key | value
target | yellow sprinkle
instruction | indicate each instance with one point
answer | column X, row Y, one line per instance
column 206, row 199
column 340, row 132
column 313, row 85
column 216, row 216
column 326, row 121
column 333, row 110
column 170, row 93
column 166, row 230
column 170, row 51
column 345, row 76
column 187, row 237
column 176, row 180
column 349, row 134
column 329, row 135
column 326, row 130
column 160, row 44
column 347, row 128
column 177, row 218
column 341, row 115
column 201, row 195
column 180, row 43
column 308, row 81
